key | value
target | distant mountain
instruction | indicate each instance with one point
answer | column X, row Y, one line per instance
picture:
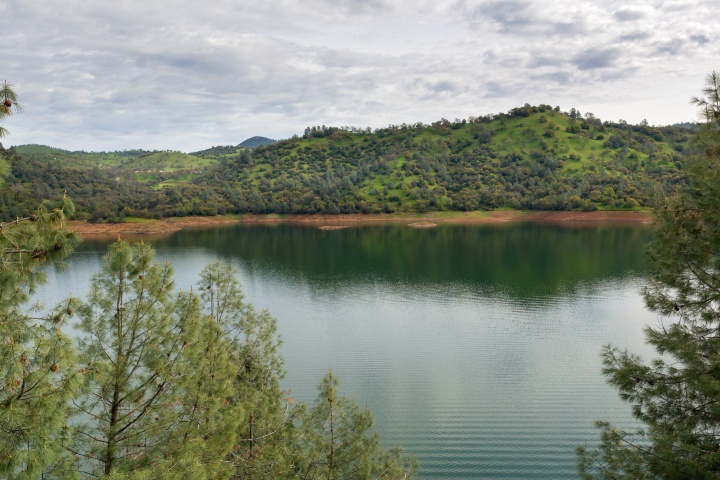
column 225, row 151
column 257, row 142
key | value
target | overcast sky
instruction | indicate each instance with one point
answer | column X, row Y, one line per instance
column 187, row 75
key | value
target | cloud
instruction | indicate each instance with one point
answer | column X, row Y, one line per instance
column 634, row 37
column 630, row 14
column 700, row 39
column 523, row 17
column 558, row 77
column 161, row 74
column 544, row 61
column 593, row 58
column 670, row 47
column 509, row 14
column 431, row 89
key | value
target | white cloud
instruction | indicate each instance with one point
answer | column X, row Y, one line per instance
column 190, row 74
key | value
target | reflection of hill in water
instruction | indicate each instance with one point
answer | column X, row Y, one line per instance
column 523, row 259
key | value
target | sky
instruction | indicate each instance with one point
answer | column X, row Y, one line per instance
column 189, row 74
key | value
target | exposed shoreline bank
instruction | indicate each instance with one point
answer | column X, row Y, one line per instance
column 336, row 222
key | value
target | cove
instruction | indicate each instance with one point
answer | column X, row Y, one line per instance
column 477, row 347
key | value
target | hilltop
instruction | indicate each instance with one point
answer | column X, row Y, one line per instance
column 530, row 158
column 257, row 142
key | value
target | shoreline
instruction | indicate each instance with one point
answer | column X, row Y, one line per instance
column 336, row 222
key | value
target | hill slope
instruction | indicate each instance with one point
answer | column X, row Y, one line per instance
column 534, row 158
column 531, row 158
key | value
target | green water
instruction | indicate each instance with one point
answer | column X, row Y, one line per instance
column 476, row 347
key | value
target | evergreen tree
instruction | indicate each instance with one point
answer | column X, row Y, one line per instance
column 260, row 448
column 8, row 97
column 337, row 439
column 179, row 385
column 677, row 396
column 38, row 374
column 132, row 332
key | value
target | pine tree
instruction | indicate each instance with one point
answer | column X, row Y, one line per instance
column 206, row 420
column 179, row 385
column 259, row 449
column 38, row 374
column 677, row 396
column 132, row 330
column 9, row 103
column 337, row 439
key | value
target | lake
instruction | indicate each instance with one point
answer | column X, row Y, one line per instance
column 476, row 347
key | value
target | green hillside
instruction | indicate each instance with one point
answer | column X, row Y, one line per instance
column 219, row 152
column 167, row 161
column 147, row 166
column 531, row 158
column 34, row 148
column 78, row 159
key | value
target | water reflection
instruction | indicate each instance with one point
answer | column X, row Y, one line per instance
column 522, row 260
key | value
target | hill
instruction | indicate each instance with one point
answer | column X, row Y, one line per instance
column 532, row 158
column 34, row 148
column 221, row 152
column 218, row 152
column 257, row 142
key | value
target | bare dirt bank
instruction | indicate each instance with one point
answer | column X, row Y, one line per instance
column 334, row 222
column 499, row 216
column 155, row 228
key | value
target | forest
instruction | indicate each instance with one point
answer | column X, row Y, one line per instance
column 530, row 158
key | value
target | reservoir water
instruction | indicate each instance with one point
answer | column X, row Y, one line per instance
column 476, row 347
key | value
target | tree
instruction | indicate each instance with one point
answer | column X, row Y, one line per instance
column 157, row 375
column 259, row 443
column 37, row 360
column 676, row 396
column 338, row 440
column 8, row 97
column 38, row 374
column 179, row 385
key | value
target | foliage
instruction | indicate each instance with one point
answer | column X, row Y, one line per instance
column 339, row 440
column 132, row 346
column 535, row 158
column 677, row 395
column 38, row 374
column 521, row 160
column 8, row 97
column 157, row 383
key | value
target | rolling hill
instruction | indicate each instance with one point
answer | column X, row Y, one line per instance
column 532, row 157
